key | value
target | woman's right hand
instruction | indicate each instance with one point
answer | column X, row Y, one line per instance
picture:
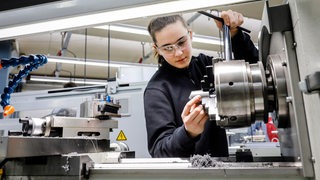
column 232, row 19
column 194, row 116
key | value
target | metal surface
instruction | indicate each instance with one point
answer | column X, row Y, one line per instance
column 277, row 84
column 298, row 114
column 283, row 97
column 132, row 122
column 73, row 127
column 227, row 43
column 55, row 126
column 295, row 138
column 69, row 167
column 17, row 147
column 244, row 90
column 240, row 92
column 305, row 16
column 98, row 109
column 167, row 168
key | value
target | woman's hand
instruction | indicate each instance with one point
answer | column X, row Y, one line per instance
column 194, row 117
column 232, row 19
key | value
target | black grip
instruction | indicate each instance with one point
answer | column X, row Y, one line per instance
column 221, row 20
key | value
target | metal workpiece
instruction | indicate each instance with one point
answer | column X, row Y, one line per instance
column 208, row 102
column 210, row 106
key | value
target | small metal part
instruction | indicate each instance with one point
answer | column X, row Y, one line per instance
column 311, row 83
column 99, row 108
column 289, row 99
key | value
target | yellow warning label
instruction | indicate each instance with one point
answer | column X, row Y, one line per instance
column 121, row 136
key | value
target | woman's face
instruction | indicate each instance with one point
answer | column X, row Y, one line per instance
column 174, row 44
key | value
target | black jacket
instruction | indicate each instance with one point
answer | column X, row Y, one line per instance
column 165, row 97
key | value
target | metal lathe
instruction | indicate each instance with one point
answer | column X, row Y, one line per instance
column 285, row 82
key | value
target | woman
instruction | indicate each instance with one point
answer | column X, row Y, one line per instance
column 177, row 126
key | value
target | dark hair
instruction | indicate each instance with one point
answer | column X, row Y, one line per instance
column 158, row 23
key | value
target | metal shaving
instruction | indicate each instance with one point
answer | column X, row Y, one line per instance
column 200, row 161
column 66, row 167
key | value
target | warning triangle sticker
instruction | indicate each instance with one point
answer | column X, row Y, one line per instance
column 121, row 136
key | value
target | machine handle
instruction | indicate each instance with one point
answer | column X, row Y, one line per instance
column 221, row 20
column 227, row 43
column 226, row 35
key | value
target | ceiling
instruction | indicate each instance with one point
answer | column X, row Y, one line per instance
column 92, row 43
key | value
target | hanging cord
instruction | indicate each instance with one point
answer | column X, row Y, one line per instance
column 63, row 35
column 62, row 52
column 85, row 56
column 74, row 66
column 70, row 74
column 108, row 51
column 49, row 45
column 143, row 53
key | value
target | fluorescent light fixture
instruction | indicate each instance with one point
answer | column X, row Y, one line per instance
column 82, row 62
column 93, row 62
column 99, row 18
column 66, row 80
column 143, row 31
column 125, row 29
column 206, row 39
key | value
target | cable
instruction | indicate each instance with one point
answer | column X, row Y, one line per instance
column 85, row 57
column 109, row 51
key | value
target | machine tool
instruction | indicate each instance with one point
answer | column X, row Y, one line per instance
column 72, row 143
column 235, row 94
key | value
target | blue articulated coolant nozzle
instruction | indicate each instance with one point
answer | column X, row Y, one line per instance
column 31, row 62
